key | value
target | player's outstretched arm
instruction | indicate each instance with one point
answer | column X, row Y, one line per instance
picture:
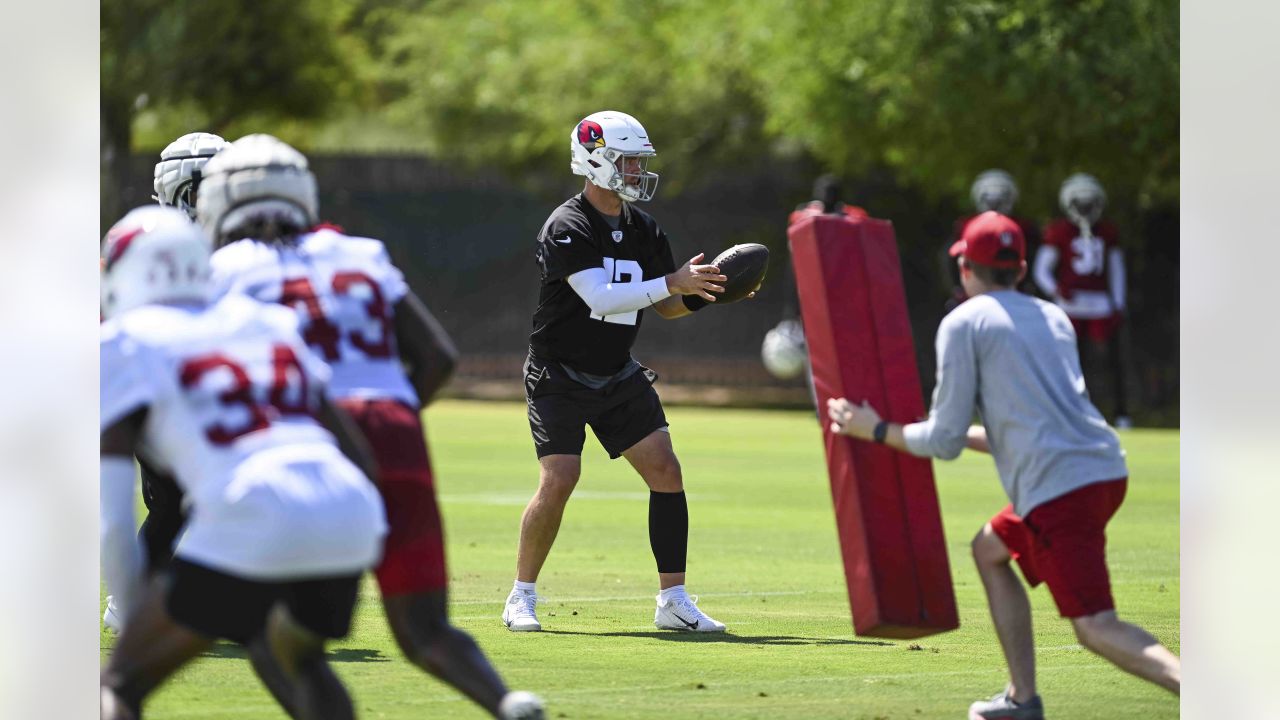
column 426, row 349
column 122, row 556
column 351, row 441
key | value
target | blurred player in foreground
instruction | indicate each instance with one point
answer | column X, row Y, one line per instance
column 177, row 178
column 603, row 262
column 1081, row 268
column 258, row 202
column 224, row 397
column 1060, row 464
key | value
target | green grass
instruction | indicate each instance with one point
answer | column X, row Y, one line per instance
column 763, row 556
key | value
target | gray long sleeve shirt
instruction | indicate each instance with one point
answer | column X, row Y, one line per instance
column 1013, row 358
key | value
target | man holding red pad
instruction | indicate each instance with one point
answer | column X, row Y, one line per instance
column 1013, row 358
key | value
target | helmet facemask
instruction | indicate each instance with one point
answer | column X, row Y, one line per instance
column 637, row 185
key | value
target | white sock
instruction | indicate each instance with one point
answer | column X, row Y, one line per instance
column 672, row 593
column 523, row 586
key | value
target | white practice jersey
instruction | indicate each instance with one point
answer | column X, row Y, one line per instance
column 231, row 392
column 344, row 290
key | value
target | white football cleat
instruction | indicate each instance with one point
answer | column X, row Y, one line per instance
column 521, row 705
column 520, row 613
column 111, row 617
column 682, row 613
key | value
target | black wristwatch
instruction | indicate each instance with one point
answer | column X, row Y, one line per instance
column 882, row 429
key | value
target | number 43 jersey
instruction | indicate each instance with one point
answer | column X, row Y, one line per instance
column 344, row 290
column 576, row 237
column 231, row 392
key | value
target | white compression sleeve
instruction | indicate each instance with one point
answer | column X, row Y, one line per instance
column 1115, row 277
column 610, row 298
column 121, row 554
column 1042, row 273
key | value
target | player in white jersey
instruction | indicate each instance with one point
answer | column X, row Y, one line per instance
column 258, row 202
column 177, row 179
column 1012, row 359
column 224, row 396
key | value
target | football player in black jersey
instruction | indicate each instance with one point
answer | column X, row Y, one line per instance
column 603, row 262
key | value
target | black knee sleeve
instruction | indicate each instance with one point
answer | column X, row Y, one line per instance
column 669, row 530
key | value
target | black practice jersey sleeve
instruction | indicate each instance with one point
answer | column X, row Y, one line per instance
column 575, row 238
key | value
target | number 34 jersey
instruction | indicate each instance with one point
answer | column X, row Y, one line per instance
column 344, row 290
column 231, row 392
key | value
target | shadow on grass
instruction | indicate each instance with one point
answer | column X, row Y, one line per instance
column 228, row 650
column 725, row 638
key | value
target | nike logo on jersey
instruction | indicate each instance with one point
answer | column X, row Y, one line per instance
column 565, row 241
column 691, row 625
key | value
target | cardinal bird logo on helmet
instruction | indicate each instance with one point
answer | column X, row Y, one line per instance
column 590, row 134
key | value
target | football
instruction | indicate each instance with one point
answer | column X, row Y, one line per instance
column 745, row 266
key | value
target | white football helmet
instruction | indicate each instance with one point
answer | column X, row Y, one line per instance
column 153, row 254
column 1082, row 198
column 257, row 182
column 783, row 352
column 178, row 174
column 599, row 147
column 994, row 190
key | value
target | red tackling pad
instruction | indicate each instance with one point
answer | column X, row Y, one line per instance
column 859, row 336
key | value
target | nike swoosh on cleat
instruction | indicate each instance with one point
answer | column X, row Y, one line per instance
column 691, row 625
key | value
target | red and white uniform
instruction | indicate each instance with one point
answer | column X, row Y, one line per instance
column 231, row 390
column 344, row 290
column 1083, row 273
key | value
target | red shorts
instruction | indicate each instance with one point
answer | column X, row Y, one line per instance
column 1098, row 330
column 1063, row 543
column 413, row 553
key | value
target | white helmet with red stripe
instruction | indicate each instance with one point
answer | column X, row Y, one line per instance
column 612, row 150
column 153, row 254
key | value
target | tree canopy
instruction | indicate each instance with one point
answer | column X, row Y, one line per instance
column 936, row 90
column 933, row 90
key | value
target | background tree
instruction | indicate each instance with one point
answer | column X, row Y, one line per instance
column 205, row 64
column 935, row 90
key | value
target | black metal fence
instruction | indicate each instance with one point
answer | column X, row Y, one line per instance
column 465, row 241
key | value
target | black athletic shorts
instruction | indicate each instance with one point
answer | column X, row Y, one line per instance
column 219, row 605
column 560, row 408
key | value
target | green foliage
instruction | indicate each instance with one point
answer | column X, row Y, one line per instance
column 205, row 65
column 503, row 83
column 936, row 90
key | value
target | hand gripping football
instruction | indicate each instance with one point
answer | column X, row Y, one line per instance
column 745, row 266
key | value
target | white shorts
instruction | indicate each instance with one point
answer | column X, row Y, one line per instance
column 293, row 512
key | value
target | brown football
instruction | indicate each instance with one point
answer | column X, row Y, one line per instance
column 745, row 266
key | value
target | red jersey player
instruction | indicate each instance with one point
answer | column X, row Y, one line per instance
column 1081, row 268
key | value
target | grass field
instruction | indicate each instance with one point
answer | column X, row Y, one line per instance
column 763, row 557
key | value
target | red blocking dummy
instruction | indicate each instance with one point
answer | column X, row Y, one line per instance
column 859, row 335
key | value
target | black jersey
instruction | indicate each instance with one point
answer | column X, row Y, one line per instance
column 576, row 237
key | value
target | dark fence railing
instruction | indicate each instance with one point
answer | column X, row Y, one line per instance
column 466, row 241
